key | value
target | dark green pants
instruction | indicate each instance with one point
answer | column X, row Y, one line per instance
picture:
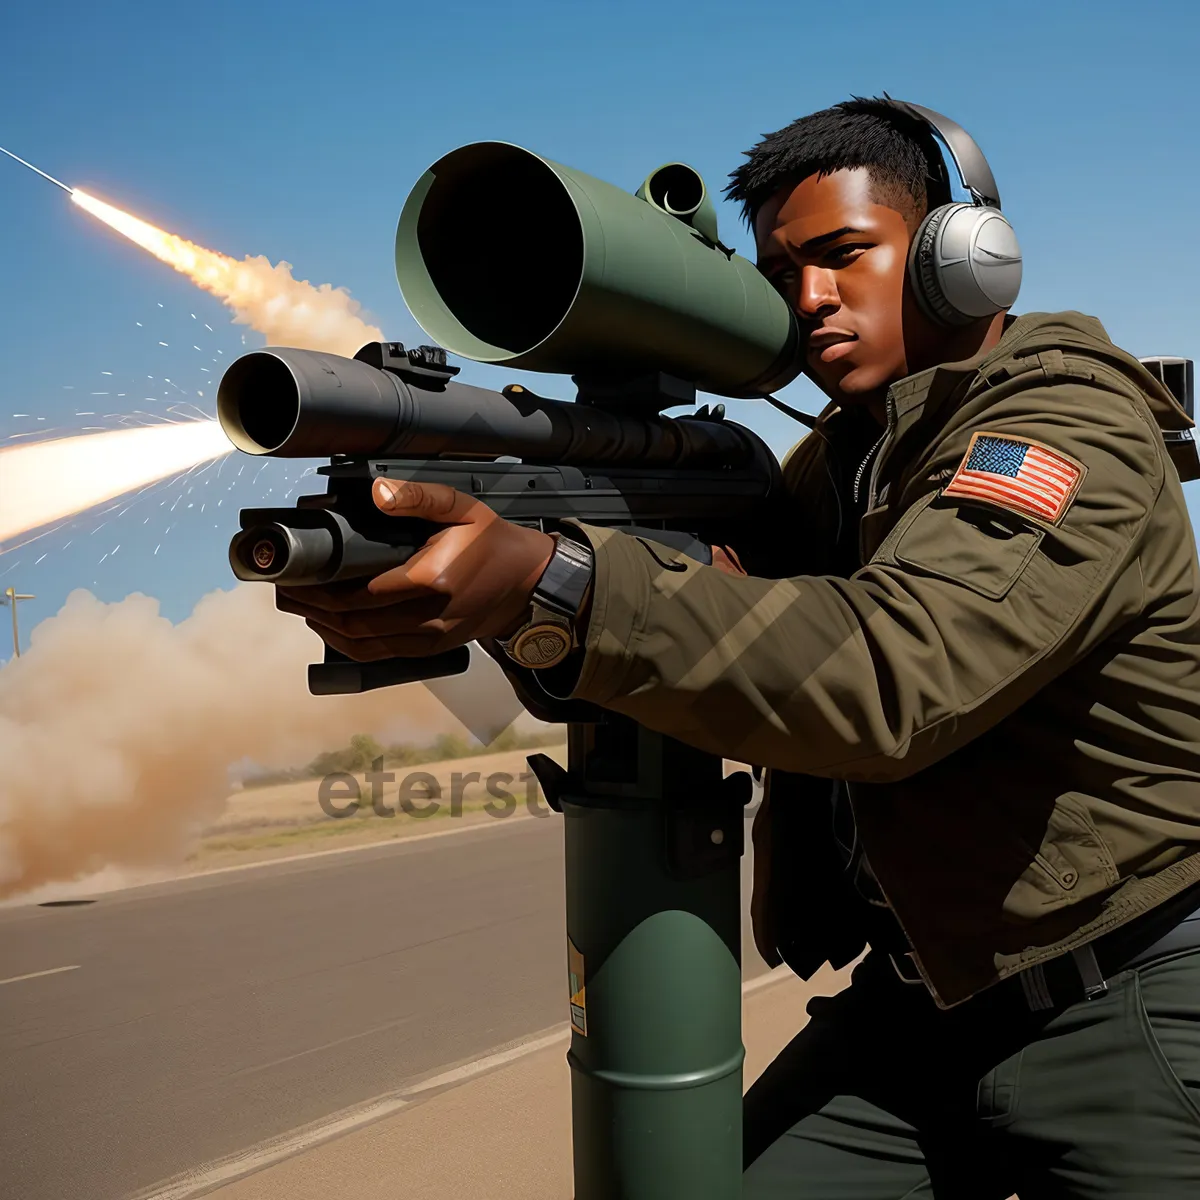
column 883, row 1096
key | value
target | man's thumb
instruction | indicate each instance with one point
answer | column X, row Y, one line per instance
column 432, row 501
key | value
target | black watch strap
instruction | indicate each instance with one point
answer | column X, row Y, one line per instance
column 564, row 582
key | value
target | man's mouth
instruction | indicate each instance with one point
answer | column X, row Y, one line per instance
column 830, row 344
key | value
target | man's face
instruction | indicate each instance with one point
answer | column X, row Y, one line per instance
column 840, row 259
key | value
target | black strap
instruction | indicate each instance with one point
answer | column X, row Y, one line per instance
column 794, row 413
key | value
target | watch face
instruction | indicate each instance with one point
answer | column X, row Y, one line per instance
column 541, row 646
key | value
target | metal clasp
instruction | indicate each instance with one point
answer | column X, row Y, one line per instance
column 1094, row 983
column 904, row 978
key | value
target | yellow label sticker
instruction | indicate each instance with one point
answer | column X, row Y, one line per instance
column 578, row 993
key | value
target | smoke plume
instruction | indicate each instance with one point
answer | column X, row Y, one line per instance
column 287, row 311
column 118, row 729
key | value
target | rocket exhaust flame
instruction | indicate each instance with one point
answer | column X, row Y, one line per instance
column 50, row 480
column 287, row 311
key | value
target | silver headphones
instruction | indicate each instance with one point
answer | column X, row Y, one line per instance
column 964, row 263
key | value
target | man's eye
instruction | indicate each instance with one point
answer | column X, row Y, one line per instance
column 847, row 252
column 783, row 279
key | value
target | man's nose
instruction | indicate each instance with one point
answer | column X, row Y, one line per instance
column 817, row 295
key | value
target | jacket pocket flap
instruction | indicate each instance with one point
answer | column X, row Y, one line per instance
column 980, row 548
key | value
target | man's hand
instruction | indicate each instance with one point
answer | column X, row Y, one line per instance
column 472, row 579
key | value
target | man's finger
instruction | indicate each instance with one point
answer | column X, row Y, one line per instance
column 344, row 596
column 427, row 501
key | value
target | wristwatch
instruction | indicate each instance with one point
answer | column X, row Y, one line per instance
column 549, row 634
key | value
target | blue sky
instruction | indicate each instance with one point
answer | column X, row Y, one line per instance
column 296, row 130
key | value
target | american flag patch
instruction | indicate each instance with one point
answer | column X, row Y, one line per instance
column 1016, row 474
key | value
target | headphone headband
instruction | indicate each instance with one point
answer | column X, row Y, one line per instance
column 968, row 158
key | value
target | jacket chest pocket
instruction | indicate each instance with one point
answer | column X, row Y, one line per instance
column 981, row 549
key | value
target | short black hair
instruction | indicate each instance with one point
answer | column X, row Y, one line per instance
column 899, row 150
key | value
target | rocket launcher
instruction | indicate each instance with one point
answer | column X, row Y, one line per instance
column 509, row 258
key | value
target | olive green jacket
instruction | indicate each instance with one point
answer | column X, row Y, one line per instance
column 1014, row 700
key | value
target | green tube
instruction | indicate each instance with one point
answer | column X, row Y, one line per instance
column 506, row 257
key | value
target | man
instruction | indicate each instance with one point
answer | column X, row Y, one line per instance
column 979, row 698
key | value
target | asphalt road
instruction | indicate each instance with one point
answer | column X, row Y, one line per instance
column 204, row 1016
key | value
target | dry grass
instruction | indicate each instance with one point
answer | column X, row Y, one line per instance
column 270, row 822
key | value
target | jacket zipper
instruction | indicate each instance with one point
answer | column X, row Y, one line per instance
column 858, row 475
column 887, row 433
column 870, row 454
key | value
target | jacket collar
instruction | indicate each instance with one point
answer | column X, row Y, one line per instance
column 925, row 390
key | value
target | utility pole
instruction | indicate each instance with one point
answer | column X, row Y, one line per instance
column 11, row 596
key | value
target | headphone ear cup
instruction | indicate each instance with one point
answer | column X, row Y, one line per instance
column 922, row 269
column 965, row 264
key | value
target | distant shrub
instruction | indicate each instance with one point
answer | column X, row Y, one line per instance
column 363, row 750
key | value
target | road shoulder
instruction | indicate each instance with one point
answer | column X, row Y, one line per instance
column 504, row 1133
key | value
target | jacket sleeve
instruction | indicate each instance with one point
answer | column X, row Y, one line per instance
column 965, row 611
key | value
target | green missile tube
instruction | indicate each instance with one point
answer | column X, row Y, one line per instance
column 507, row 257
column 654, row 965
